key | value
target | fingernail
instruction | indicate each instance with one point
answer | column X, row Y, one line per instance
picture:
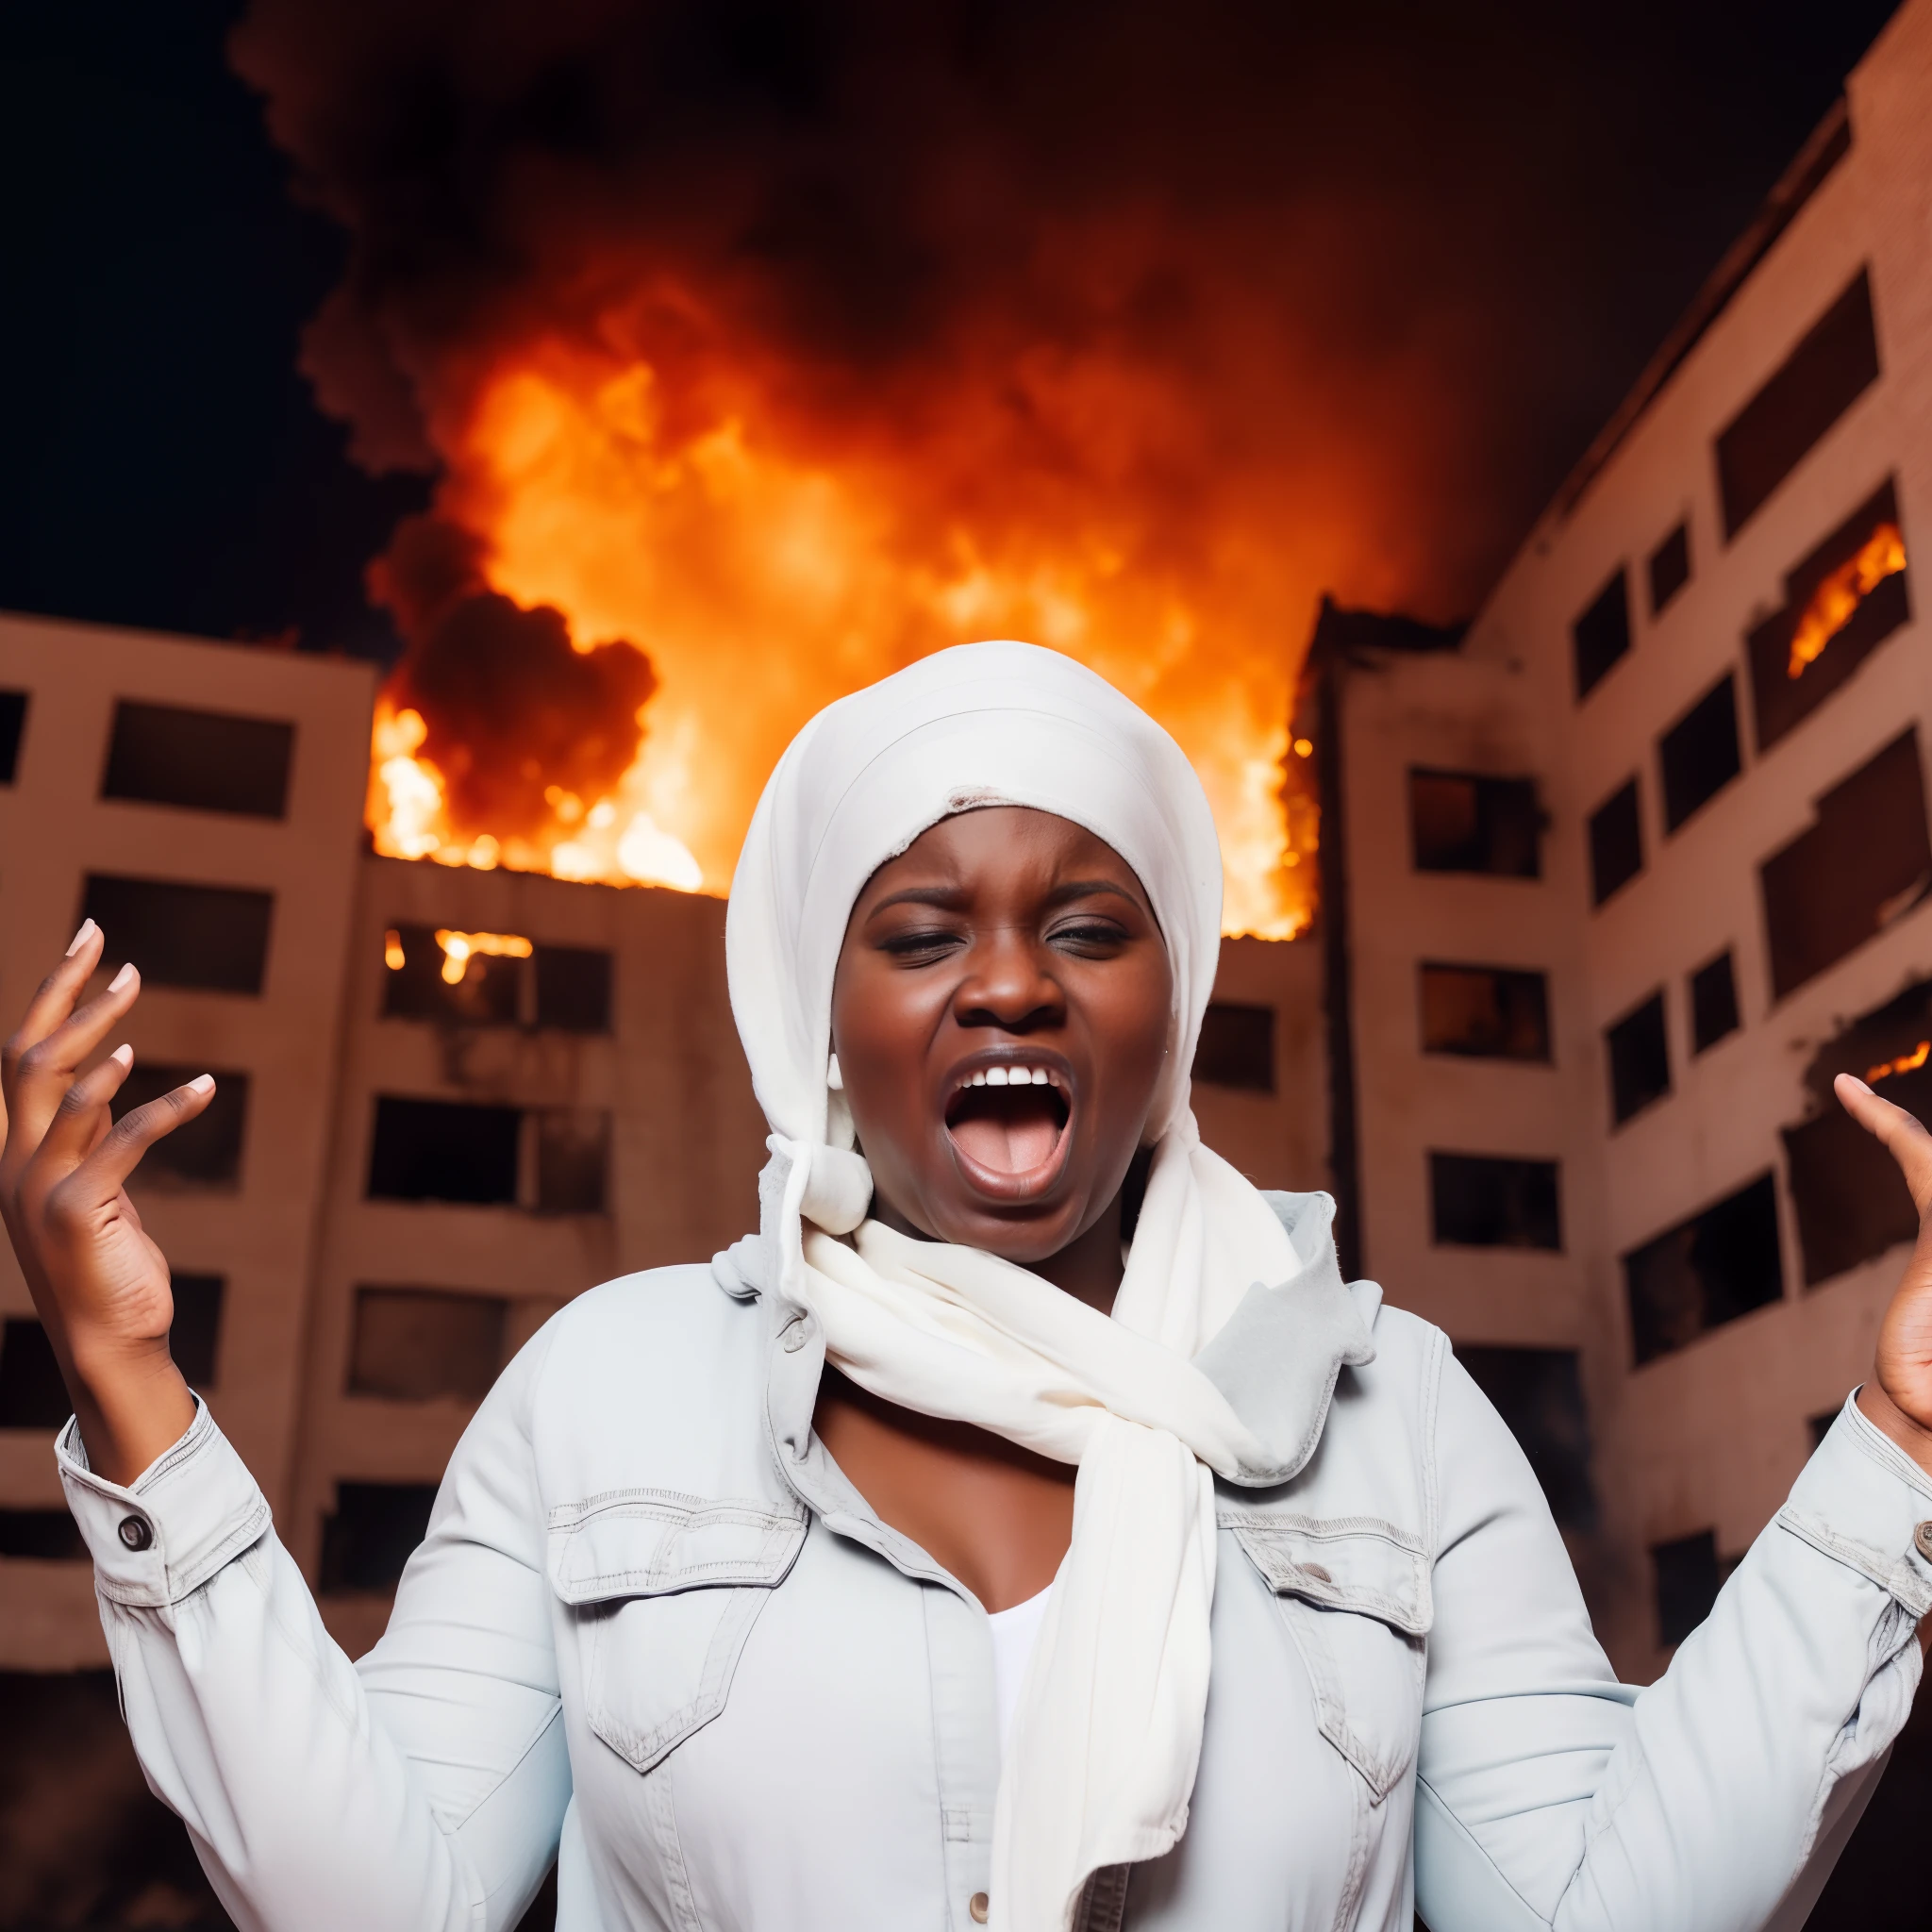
column 1855, row 1082
column 87, row 926
column 124, row 1054
column 121, row 978
column 202, row 1083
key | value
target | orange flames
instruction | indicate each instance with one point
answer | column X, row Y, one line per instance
column 764, row 580
column 1906, row 1063
column 1837, row 599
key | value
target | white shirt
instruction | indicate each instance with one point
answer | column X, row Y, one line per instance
column 1014, row 1633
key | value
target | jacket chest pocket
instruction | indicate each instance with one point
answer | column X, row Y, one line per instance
column 665, row 1589
column 1355, row 1596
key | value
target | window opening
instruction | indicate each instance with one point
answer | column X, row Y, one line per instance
column 32, row 1396
column 1640, row 1059
column 205, row 760
column 12, row 728
column 1699, row 752
column 417, row 1344
column 443, row 1150
column 1833, row 364
column 47, row 1536
column 205, row 1152
column 1487, row 1013
column 1841, row 601
column 1616, row 843
column 373, row 1534
column 1866, row 861
column 1493, row 1201
column 1602, row 634
column 1464, row 822
column 1689, row 1578
column 573, row 988
column 1713, row 1003
column 1237, row 1047
column 1670, row 568
column 1539, row 1393
column 1846, row 1195
column 435, row 974
column 195, row 1340
column 1708, row 1270
column 205, row 939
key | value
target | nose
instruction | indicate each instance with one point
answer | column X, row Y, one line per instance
column 1008, row 985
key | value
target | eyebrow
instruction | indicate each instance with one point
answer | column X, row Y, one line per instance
column 949, row 896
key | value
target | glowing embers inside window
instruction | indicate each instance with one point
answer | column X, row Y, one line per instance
column 494, row 979
column 1841, row 601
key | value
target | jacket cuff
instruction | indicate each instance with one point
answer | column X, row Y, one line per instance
column 192, row 1509
column 1864, row 1502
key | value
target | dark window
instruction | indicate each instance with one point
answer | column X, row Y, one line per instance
column 207, row 1151
column 485, row 992
column 1670, row 568
column 369, row 1538
column 1493, row 1201
column 1841, row 601
column 32, row 1396
column 1616, row 843
column 1705, row 1272
column 1847, row 1191
column 1687, row 1579
column 1602, row 634
column 1463, row 821
column 1539, row 1394
column 1699, row 752
column 208, row 760
column 1237, row 1047
column 573, row 988
column 573, row 1159
column 1713, row 1003
column 214, row 938
column 13, row 725
column 51, row 1535
column 443, row 1150
column 412, row 1344
column 195, row 1339
column 1640, row 1059
column 1832, row 365
column 1819, row 1426
column 1866, row 861
column 1490, row 1012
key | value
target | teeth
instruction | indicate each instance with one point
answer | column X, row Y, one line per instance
column 1012, row 1076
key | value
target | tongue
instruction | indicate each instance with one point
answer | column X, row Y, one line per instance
column 1009, row 1131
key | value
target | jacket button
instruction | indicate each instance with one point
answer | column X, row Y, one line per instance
column 1921, row 1537
column 137, row 1533
column 977, row 1906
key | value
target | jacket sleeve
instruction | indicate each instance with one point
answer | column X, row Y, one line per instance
column 423, row 1788
column 1717, row 1800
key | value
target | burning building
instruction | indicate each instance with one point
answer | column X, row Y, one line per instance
column 1621, row 877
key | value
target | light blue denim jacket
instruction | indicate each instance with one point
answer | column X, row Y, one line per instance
column 655, row 1623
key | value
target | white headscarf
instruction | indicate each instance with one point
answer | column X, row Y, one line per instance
column 1108, row 1733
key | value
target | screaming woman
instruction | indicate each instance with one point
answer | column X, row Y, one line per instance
column 1025, row 1527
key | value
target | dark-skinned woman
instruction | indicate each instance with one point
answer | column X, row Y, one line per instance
column 1027, row 1526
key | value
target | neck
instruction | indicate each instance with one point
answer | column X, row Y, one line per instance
column 1088, row 1267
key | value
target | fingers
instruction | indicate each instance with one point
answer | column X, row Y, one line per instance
column 38, row 1063
column 105, row 1170
column 1900, row 1133
column 82, row 1120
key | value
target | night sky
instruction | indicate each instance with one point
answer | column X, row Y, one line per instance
column 1556, row 180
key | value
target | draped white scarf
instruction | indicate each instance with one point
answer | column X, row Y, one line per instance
column 1108, row 1733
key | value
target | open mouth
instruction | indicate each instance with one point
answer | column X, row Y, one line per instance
column 1008, row 1120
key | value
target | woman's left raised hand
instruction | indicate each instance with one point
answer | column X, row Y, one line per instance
column 1898, row 1398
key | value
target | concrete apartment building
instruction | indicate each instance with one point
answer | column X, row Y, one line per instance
column 414, row 1157
column 1641, row 862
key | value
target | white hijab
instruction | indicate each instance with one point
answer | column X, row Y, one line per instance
column 1109, row 1732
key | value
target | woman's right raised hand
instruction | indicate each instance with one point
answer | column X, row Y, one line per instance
column 100, row 1283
